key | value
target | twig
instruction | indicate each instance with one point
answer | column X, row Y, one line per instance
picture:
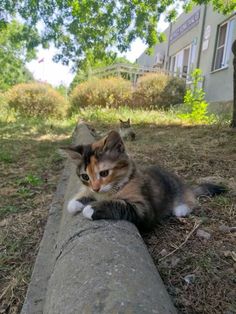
column 196, row 225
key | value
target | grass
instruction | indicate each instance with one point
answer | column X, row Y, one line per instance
column 139, row 116
column 196, row 153
column 143, row 116
column 29, row 170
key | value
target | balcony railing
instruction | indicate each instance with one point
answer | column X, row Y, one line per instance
column 133, row 72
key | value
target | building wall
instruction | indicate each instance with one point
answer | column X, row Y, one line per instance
column 149, row 60
column 189, row 37
column 146, row 60
column 218, row 84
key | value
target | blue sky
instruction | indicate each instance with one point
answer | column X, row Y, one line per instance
column 56, row 73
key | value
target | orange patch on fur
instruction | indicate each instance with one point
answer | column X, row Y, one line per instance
column 131, row 191
column 91, row 167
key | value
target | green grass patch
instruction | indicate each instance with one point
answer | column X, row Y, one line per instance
column 9, row 209
column 6, row 157
column 30, row 179
column 144, row 116
column 138, row 116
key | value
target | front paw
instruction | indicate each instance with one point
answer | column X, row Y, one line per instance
column 88, row 212
column 97, row 210
column 74, row 206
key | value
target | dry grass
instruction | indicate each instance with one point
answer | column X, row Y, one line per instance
column 196, row 153
column 205, row 153
column 29, row 172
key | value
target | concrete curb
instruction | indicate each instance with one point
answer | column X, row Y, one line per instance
column 92, row 266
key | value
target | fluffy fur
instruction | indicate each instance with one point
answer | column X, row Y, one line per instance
column 115, row 188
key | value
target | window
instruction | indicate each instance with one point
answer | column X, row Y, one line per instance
column 192, row 60
column 223, row 45
column 173, row 64
column 181, row 62
column 177, row 63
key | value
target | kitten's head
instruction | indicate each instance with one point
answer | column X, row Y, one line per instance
column 125, row 124
column 102, row 165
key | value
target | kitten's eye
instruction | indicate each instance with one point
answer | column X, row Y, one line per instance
column 104, row 173
column 85, row 177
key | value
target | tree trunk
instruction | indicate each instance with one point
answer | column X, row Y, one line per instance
column 233, row 122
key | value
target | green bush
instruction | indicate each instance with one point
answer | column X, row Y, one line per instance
column 174, row 91
column 158, row 90
column 107, row 93
column 37, row 100
column 195, row 105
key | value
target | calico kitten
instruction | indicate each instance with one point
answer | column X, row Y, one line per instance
column 115, row 188
column 126, row 131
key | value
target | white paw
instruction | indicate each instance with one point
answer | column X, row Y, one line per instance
column 74, row 206
column 88, row 212
column 181, row 210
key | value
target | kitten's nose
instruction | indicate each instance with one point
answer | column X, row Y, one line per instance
column 96, row 189
column 96, row 185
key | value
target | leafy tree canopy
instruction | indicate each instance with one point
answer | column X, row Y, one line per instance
column 78, row 26
column 17, row 44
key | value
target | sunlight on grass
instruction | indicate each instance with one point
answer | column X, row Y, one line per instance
column 10, row 122
column 139, row 116
column 22, row 128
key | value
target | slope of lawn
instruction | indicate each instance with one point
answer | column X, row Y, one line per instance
column 198, row 269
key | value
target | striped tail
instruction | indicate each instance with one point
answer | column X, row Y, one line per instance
column 209, row 189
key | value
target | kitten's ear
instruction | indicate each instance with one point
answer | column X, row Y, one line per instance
column 73, row 152
column 121, row 121
column 128, row 120
column 113, row 142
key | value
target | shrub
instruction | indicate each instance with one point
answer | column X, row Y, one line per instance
column 158, row 90
column 37, row 99
column 108, row 92
column 174, row 91
column 194, row 101
column 4, row 108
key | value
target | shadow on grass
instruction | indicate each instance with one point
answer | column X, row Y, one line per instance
column 29, row 155
column 35, row 126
